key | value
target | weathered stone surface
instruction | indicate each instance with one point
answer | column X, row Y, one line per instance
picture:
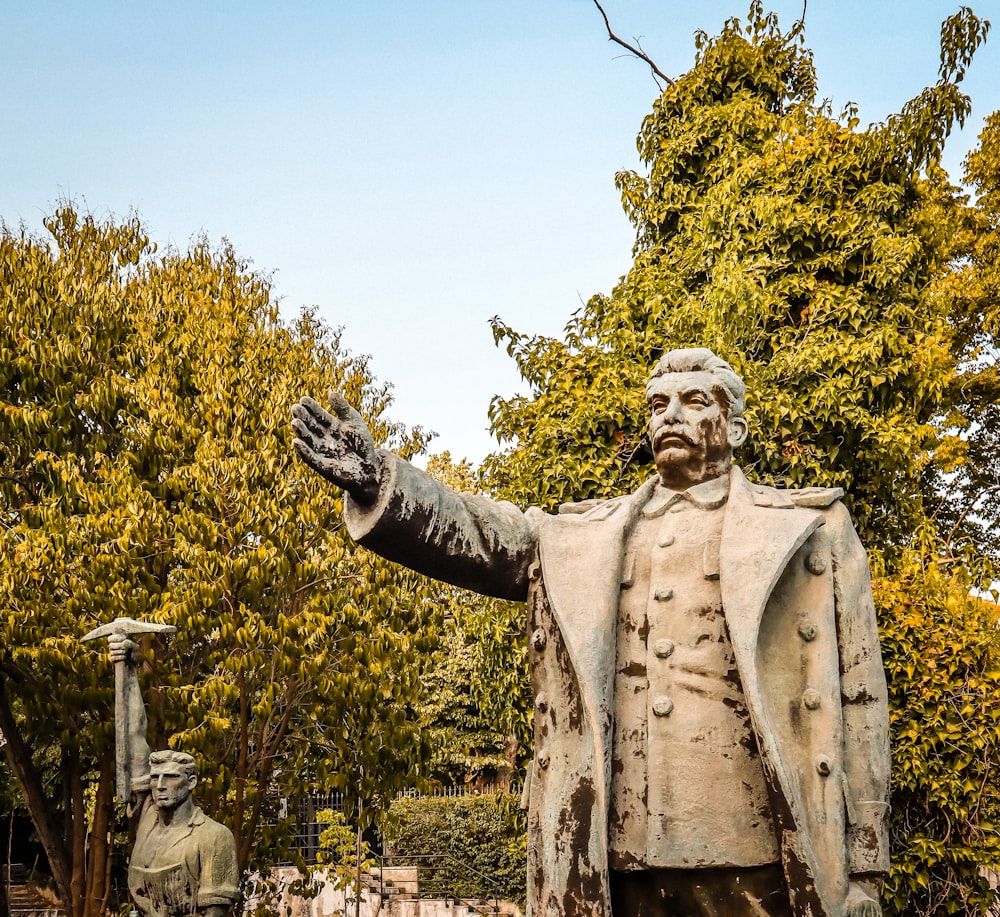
column 182, row 863
column 711, row 722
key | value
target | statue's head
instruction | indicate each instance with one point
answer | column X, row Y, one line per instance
column 696, row 416
column 172, row 777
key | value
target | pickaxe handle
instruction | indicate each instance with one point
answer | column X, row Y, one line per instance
column 123, row 761
column 125, row 684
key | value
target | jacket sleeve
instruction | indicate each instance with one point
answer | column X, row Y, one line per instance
column 464, row 539
column 219, row 879
column 864, row 698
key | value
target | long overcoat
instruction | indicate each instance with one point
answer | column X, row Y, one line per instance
column 797, row 600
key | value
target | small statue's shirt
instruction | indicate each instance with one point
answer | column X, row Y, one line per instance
column 178, row 869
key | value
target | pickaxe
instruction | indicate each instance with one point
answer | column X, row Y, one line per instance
column 123, row 686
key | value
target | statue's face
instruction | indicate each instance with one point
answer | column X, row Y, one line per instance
column 689, row 428
column 170, row 785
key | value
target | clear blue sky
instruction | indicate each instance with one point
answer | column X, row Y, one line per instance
column 411, row 168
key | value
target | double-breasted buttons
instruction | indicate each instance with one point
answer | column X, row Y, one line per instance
column 539, row 639
column 541, row 703
column 816, row 564
column 664, row 595
column 663, row 706
column 663, row 648
column 807, row 631
column 543, row 760
column 665, row 541
column 823, row 767
column 810, row 699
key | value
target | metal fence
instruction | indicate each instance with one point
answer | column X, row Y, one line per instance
column 305, row 841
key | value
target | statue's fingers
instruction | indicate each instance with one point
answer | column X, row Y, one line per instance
column 310, row 410
column 302, row 428
column 312, row 426
column 343, row 408
column 306, row 452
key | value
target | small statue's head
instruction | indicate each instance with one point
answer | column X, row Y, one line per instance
column 696, row 406
column 172, row 777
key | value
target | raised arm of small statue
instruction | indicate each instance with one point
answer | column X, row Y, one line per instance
column 125, row 652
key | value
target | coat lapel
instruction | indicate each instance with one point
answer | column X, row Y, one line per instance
column 581, row 557
column 757, row 543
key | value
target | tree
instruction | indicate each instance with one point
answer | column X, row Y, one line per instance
column 813, row 254
column 479, row 700
column 964, row 489
column 788, row 241
column 146, row 470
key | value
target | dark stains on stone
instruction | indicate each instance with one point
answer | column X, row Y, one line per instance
column 584, row 883
column 867, row 838
column 863, row 696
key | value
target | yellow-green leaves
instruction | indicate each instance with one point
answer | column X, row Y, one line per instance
column 146, row 470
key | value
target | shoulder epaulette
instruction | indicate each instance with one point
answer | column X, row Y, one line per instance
column 811, row 497
column 816, row 497
column 582, row 507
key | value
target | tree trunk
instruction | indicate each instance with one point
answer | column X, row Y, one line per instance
column 76, row 830
column 101, row 838
column 506, row 770
column 30, row 782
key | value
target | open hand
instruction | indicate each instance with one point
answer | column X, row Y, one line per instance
column 338, row 446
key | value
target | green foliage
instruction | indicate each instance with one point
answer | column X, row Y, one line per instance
column 478, row 707
column 343, row 854
column 487, row 834
column 146, row 470
column 965, row 489
column 791, row 243
column 942, row 651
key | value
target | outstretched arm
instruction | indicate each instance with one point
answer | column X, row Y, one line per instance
column 338, row 446
column 408, row 517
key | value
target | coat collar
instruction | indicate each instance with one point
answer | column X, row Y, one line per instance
column 707, row 495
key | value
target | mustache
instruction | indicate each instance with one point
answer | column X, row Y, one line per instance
column 674, row 433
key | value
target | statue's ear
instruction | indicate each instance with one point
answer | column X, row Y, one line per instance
column 192, row 781
column 738, row 431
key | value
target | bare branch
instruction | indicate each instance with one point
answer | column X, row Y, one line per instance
column 638, row 52
column 968, row 509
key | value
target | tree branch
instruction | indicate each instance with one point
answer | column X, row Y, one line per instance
column 638, row 52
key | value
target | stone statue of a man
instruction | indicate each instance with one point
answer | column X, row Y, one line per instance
column 183, row 863
column 711, row 723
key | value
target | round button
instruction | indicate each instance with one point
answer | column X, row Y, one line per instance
column 663, row 706
column 538, row 639
column 663, row 648
column 807, row 631
column 543, row 760
column 664, row 595
column 542, row 703
column 666, row 541
column 810, row 698
column 823, row 767
column 816, row 564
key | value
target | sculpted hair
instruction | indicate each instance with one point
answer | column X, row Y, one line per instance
column 182, row 758
column 701, row 359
